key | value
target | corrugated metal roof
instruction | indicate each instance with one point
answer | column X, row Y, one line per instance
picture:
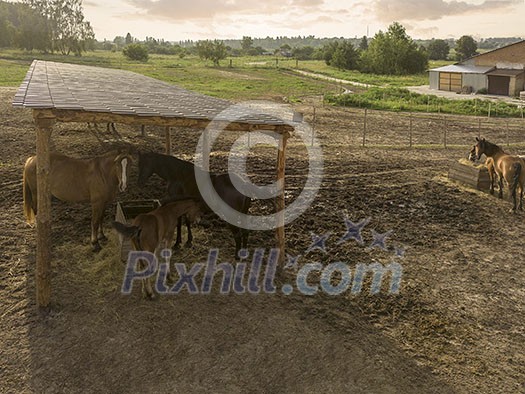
column 503, row 72
column 61, row 86
column 464, row 69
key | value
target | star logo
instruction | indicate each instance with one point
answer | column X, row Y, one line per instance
column 292, row 261
column 353, row 230
column 399, row 252
column 318, row 242
column 379, row 240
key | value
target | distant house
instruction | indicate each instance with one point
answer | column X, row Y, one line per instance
column 500, row 71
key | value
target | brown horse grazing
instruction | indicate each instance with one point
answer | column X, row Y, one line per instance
column 96, row 180
column 507, row 167
column 149, row 230
column 489, row 163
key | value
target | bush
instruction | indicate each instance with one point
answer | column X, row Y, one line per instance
column 136, row 52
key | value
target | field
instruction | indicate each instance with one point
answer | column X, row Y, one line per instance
column 456, row 325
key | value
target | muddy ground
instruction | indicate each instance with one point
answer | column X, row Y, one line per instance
column 456, row 326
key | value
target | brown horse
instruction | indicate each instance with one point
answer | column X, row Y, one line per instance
column 96, row 180
column 489, row 163
column 507, row 167
column 149, row 230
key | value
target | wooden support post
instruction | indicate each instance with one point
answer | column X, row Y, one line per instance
column 168, row 141
column 281, row 166
column 44, row 123
column 206, row 150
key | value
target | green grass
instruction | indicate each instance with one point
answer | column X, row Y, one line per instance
column 248, row 78
column 399, row 99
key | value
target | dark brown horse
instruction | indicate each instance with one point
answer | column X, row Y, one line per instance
column 96, row 180
column 507, row 167
column 180, row 176
column 149, row 231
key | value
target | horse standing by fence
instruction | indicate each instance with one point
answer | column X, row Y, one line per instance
column 507, row 167
column 180, row 175
column 96, row 180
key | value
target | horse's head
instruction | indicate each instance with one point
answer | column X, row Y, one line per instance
column 145, row 168
column 122, row 163
column 480, row 148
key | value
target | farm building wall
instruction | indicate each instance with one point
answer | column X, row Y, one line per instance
column 433, row 77
column 517, row 85
column 476, row 81
column 509, row 57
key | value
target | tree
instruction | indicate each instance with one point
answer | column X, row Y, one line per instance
column 329, row 50
column 303, row 53
column 213, row 50
column 466, row 47
column 438, row 50
column 345, row 56
column 246, row 44
column 70, row 32
column 363, row 44
column 22, row 27
column 128, row 40
column 393, row 52
column 136, row 52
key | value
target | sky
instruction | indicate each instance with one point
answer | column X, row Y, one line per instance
column 176, row 20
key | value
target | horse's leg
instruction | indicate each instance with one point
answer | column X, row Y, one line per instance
column 178, row 240
column 237, row 236
column 521, row 198
column 491, row 177
column 189, row 242
column 97, row 212
column 500, row 184
column 100, row 235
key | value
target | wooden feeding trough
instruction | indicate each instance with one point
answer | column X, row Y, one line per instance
column 470, row 174
column 126, row 212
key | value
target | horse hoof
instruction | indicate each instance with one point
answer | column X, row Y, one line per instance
column 96, row 248
column 150, row 297
column 175, row 246
column 188, row 245
column 102, row 238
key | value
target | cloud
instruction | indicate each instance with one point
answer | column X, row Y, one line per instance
column 208, row 9
column 419, row 10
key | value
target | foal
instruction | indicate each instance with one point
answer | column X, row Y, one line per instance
column 149, row 231
column 489, row 163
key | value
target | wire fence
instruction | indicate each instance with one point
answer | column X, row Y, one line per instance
column 366, row 128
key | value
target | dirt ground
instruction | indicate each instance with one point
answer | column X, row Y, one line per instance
column 456, row 326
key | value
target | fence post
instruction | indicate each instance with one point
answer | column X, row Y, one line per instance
column 313, row 127
column 410, row 131
column 507, row 128
column 364, row 128
column 445, row 131
column 490, row 107
column 479, row 127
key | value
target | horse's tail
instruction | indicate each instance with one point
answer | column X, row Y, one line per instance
column 126, row 230
column 28, row 196
column 516, row 178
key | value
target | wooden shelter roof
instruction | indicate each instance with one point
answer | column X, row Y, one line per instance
column 86, row 93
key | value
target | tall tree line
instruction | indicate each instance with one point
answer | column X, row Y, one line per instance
column 46, row 25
